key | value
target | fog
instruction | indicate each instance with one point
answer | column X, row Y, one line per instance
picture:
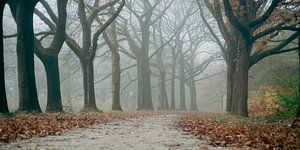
column 158, row 42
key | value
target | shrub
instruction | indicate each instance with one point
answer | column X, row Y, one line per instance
column 288, row 97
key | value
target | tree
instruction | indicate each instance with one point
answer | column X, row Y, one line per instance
column 163, row 97
column 195, row 40
column 139, row 46
column 3, row 99
column 23, row 10
column 110, row 37
column 246, row 28
column 178, row 56
column 86, row 52
column 49, row 56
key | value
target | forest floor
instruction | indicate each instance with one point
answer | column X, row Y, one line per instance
column 145, row 130
column 156, row 131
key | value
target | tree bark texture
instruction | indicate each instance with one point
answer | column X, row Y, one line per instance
column 240, row 79
column 54, row 103
column 28, row 98
column 231, row 56
column 3, row 98
column 298, row 112
column 88, row 84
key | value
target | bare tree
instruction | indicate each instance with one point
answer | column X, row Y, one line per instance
column 87, row 52
column 110, row 37
column 163, row 98
column 49, row 55
column 139, row 45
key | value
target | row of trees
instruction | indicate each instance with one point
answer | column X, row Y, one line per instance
column 27, row 44
column 92, row 26
column 247, row 32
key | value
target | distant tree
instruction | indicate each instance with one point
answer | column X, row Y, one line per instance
column 192, row 69
column 23, row 10
column 166, row 34
column 247, row 25
column 139, row 44
column 3, row 99
column 110, row 37
column 181, row 78
column 163, row 97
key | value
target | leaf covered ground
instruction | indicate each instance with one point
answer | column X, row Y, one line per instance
column 26, row 126
column 232, row 131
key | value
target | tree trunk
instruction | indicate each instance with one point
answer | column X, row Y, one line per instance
column 116, row 71
column 298, row 112
column 230, row 72
column 110, row 38
column 144, row 72
column 163, row 92
column 25, row 45
column 3, row 98
column 240, row 80
column 193, row 95
column 141, row 85
column 173, row 80
column 163, row 98
column 88, row 84
column 54, row 103
column 231, row 66
column 144, row 84
column 182, row 83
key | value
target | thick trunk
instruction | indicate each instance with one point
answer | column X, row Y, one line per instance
column 144, row 85
column 173, row 81
column 54, row 103
column 231, row 65
column 298, row 112
column 240, row 81
column 25, row 44
column 230, row 70
column 193, row 96
column 182, row 83
column 3, row 99
column 88, row 84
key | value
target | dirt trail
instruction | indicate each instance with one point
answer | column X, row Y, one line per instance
column 154, row 132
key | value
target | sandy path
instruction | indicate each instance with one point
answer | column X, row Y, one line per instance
column 154, row 132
